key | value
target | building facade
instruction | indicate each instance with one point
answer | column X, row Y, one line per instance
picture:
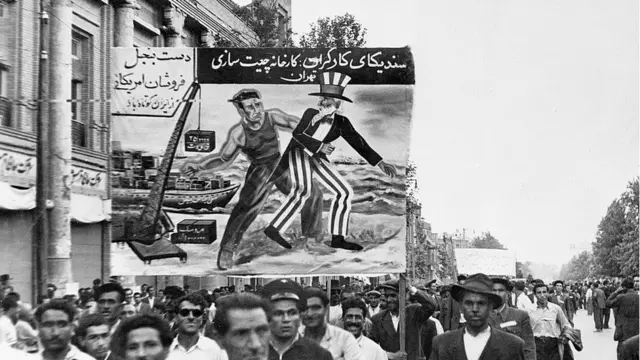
column 92, row 28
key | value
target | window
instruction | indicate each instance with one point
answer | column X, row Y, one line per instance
column 78, row 124
column 5, row 102
column 76, row 49
column 80, row 91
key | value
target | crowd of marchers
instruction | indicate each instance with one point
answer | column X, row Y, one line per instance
column 476, row 318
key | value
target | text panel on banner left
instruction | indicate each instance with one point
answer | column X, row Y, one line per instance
column 227, row 193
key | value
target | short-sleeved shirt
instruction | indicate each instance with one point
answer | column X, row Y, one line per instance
column 204, row 349
column 548, row 321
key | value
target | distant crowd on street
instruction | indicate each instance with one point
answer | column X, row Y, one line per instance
column 478, row 317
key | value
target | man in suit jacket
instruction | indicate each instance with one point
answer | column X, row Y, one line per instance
column 599, row 303
column 141, row 307
column 306, row 157
column 512, row 320
column 625, row 302
column 385, row 323
column 477, row 340
column 629, row 349
column 432, row 291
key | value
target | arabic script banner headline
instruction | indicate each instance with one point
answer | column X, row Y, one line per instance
column 302, row 66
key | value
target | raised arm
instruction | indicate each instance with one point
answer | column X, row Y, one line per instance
column 220, row 160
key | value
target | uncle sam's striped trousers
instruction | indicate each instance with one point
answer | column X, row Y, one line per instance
column 302, row 168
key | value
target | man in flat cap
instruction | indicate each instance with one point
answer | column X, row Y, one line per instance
column 288, row 302
column 256, row 136
column 477, row 340
column 374, row 302
column 512, row 320
column 385, row 323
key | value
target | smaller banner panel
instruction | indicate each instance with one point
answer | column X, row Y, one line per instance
column 150, row 81
column 391, row 66
column 487, row 261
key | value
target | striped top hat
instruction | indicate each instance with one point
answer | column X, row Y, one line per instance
column 332, row 84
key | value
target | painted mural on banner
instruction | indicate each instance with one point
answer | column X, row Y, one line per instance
column 260, row 162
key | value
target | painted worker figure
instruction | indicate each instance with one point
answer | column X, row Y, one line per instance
column 306, row 158
column 257, row 138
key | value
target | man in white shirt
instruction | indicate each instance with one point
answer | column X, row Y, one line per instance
column 7, row 328
column 55, row 329
column 339, row 342
column 477, row 339
column 189, row 344
column 522, row 301
column 354, row 315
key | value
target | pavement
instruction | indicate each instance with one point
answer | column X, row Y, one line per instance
column 597, row 345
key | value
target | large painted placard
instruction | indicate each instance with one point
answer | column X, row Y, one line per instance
column 260, row 161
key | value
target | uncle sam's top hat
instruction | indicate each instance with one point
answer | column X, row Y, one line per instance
column 332, row 84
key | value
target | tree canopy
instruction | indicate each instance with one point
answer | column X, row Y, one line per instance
column 342, row 31
column 615, row 250
column 486, row 241
column 262, row 18
column 578, row 268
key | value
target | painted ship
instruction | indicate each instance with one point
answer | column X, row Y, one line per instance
column 133, row 175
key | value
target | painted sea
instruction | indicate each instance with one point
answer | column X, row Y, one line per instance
column 377, row 223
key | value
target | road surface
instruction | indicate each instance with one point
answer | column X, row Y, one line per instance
column 597, row 346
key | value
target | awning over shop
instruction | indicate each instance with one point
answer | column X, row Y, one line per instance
column 84, row 208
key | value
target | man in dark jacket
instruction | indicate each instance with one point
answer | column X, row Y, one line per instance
column 477, row 340
column 599, row 304
column 512, row 320
column 625, row 302
column 451, row 314
column 385, row 323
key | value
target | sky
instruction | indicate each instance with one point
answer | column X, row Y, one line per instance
column 525, row 120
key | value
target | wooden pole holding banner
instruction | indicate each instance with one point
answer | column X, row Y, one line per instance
column 402, row 295
column 329, row 295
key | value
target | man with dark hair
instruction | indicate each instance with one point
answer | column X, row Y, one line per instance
column 94, row 335
column 241, row 318
column 110, row 297
column 145, row 336
column 340, row 343
column 255, row 135
column 141, row 307
column 127, row 310
column 625, row 302
column 608, row 289
column 7, row 327
column 478, row 339
column 385, row 324
column 288, row 302
column 128, row 295
column 354, row 314
column 512, row 320
column 599, row 304
column 522, row 301
column 451, row 316
column 150, row 297
column 55, row 329
column 189, row 344
column 547, row 321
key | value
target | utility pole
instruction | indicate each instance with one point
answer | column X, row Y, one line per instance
column 42, row 168
column 59, row 244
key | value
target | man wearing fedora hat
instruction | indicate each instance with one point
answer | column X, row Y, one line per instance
column 385, row 324
column 512, row 320
column 306, row 158
column 477, row 340
column 256, row 136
